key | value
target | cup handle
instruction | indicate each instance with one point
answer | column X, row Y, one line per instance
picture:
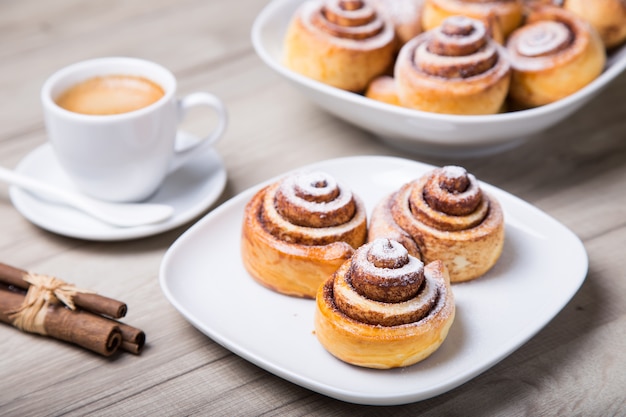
column 181, row 156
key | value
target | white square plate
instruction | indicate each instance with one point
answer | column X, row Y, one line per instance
column 542, row 266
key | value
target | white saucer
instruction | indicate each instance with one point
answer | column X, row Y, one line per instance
column 190, row 190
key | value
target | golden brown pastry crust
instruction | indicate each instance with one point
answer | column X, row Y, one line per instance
column 608, row 17
column 453, row 69
column 365, row 328
column 503, row 16
column 287, row 242
column 343, row 43
column 383, row 89
column 469, row 242
column 555, row 54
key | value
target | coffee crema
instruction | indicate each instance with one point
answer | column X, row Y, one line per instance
column 110, row 94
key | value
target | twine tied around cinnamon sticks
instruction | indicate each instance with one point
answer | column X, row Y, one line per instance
column 43, row 290
column 55, row 308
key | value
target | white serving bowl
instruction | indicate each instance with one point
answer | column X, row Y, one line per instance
column 418, row 131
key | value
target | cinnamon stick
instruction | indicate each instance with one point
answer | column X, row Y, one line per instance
column 95, row 303
column 82, row 328
column 133, row 339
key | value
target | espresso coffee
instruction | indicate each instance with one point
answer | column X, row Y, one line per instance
column 110, row 94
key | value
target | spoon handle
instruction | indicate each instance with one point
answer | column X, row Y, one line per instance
column 30, row 184
column 121, row 215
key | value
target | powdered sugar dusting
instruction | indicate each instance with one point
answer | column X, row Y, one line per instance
column 542, row 38
column 424, row 303
column 406, row 272
column 363, row 12
column 387, row 249
column 315, row 184
column 459, row 48
column 400, row 11
column 472, row 30
column 311, row 11
column 453, row 171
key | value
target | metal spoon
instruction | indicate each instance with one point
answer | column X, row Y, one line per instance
column 116, row 214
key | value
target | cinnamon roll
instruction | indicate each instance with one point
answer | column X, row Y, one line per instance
column 553, row 55
column 502, row 16
column 444, row 215
column 454, row 69
column 534, row 3
column 383, row 308
column 383, row 89
column 405, row 15
column 343, row 43
column 608, row 17
column 299, row 230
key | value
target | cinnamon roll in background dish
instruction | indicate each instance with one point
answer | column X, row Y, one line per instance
column 444, row 215
column 383, row 89
column 555, row 54
column 454, row 69
column 533, row 3
column 383, row 308
column 299, row 230
column 343, row 43
column 503, row 16
column 449, row 56
column 608, row 17
column 405, row 15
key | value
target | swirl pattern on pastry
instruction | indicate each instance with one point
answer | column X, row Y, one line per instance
column 350, row 19
column 450, row 200
column 455, row 68
column 444, row 215
column 502, row 16
column 298, row 231
column 554, row 55
column 343, row 43
column 383, row 308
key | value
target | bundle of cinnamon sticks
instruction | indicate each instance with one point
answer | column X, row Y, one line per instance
column 40, row 304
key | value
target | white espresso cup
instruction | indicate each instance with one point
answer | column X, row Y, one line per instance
column 123, row 157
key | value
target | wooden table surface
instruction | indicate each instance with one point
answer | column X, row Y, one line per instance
column 576, row 172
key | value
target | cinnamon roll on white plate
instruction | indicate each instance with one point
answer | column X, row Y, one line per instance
column 299, row 230
column 384, row 308
column 444, row 215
